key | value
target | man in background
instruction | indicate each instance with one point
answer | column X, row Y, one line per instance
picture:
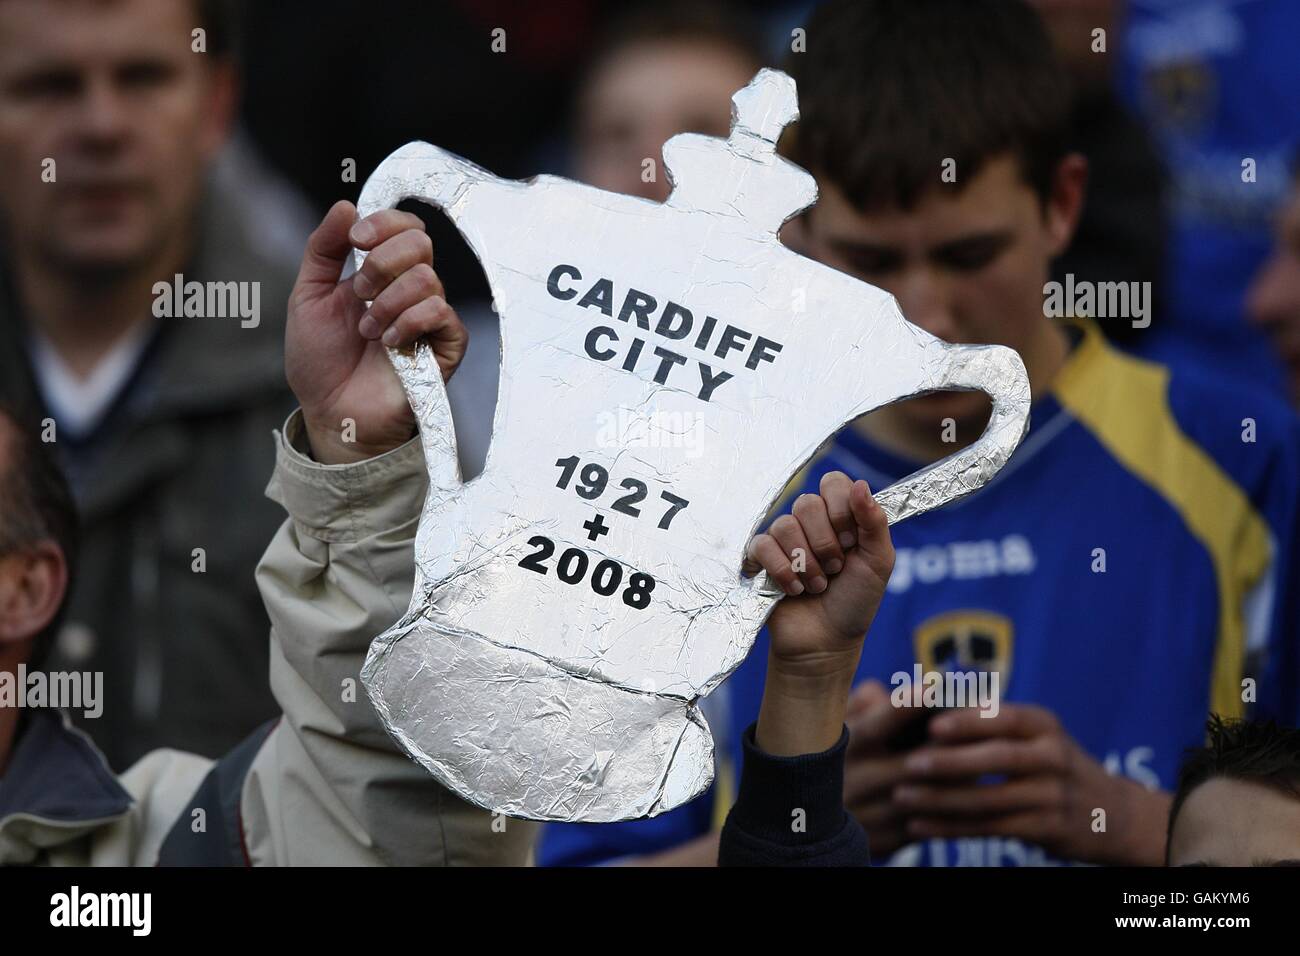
column 112, row 113
column 1238, row 798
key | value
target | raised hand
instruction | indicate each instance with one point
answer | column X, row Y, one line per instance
column 334, row 345
column 832, row 555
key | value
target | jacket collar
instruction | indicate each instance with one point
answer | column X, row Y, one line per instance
column 56, row 778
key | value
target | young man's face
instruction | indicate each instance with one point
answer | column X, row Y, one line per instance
column 112, row 93
column 1226, row 822
column 646, row 94
column 968, row 268
column 1273, row 301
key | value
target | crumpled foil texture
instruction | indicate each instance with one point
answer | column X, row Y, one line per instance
column 564, row 626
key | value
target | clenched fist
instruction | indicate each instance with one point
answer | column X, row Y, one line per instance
column 832, row 555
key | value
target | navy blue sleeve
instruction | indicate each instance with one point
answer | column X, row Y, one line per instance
column 790, row 812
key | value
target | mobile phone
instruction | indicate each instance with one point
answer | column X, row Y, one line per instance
column 915, row 733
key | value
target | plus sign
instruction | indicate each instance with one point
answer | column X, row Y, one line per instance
column 595, row 527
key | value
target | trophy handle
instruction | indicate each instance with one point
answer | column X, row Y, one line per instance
column 998, row 372
column 422, row 171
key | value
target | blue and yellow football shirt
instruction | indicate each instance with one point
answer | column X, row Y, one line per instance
column 1132, row 568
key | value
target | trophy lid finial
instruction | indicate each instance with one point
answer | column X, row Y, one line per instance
column 742, row 176
column 765, row 107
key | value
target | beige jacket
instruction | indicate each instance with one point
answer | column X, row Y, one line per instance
column 323, row 785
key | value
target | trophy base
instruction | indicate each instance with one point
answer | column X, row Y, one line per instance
column 513, row 733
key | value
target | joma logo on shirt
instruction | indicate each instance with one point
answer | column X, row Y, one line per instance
column 962, row 561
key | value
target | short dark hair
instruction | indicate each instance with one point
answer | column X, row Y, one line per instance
column 1253, row 751
column 38, row 504
column 889, row 89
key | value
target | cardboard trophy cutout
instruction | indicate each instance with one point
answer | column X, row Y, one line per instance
column 574, row 600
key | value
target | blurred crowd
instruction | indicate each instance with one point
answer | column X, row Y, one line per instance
column 143, row 141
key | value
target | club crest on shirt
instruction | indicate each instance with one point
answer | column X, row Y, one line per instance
column 965, row 640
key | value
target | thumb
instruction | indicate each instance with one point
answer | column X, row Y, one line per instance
column 874, row 542
column 328, row 249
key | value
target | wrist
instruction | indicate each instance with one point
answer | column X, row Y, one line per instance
column 807, row 662
column 799, row 683
column 801, row 713
column 327, row 446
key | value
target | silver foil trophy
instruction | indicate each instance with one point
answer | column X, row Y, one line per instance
column 574, row 601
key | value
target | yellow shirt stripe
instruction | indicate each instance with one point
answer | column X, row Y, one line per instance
column 1124, row 402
